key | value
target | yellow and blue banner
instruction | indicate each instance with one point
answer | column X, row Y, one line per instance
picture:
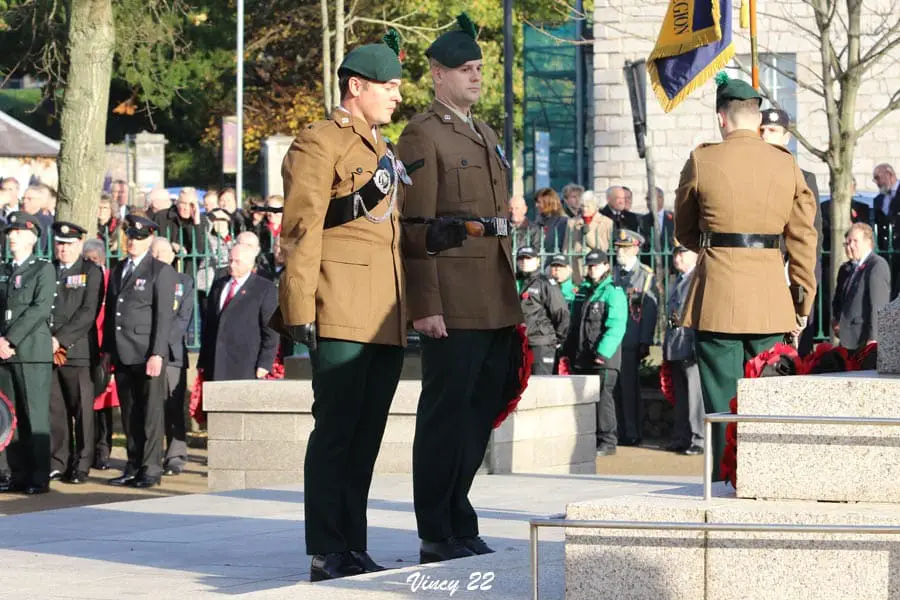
column 694, row 43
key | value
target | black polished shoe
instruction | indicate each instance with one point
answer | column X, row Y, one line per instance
column 122, row 480
column 76, row 477
column 5, row 482
column 333, row 566
column 173, row 470
column 365, row 561
column 145, row 482
column 476, row 545
column 56, row 475
column 606, row 450
column 448, row 549
column 677, row 447
column 32, row 490
column 630, row 442
column 101, row 464
column 694, row 450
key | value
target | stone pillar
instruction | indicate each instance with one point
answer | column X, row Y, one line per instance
column 149, row 160
column 274, row 149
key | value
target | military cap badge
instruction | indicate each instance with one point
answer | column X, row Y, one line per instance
column 13, row 219
column 138, row 226
column 64, row 229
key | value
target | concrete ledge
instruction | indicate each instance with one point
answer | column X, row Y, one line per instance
column 258, row 430
column 649, row 565
column 819, row 462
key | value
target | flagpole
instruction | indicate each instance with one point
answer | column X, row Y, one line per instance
column 754, row 51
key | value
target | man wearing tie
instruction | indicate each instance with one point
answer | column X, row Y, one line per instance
column 73, row 323
column 616, row 209
column 138, row 320
column 865, row 290
column 887, row 210
column 237, row 342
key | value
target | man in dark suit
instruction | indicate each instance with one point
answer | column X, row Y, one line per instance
column 774, row 130
column 865, row 291
column 666, row 221
column 137, row 325
column 73, row 324
column 176, row 369
column 237, row 342
column 615, row 209
column 886, row 207
column 678, row 351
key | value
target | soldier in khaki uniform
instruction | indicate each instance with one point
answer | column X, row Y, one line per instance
column 342, row 294
column 463, row 302
column 736, row 202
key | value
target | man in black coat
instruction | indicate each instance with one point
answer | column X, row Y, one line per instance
column 546, row 311
column 774, row 130
column 864, row 292
column 176, row 369
column 137, row 324
column 886, row 207
column 617, row 210
column 73, row 324
column 237, row 342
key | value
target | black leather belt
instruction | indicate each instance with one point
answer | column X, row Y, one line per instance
column 710, row 239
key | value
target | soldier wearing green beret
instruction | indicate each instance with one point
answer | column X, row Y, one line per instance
column 464, row 302
column 737, row 204
column 341, row 294
column 27, row 284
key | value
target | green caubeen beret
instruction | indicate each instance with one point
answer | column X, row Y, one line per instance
column 457, row 46
column 375, row 62
column 733, row 89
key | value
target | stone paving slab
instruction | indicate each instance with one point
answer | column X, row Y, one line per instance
column 249, row 544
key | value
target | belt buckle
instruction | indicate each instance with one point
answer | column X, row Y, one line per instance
column 705, row 239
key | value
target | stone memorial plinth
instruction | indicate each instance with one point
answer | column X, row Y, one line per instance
column 838, row 463
column 889, row 338
column 687, row 565
column 258, row 430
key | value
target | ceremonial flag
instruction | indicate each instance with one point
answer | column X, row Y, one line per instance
column 694, row 43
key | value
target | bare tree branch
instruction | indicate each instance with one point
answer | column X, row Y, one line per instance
column 891, row 106
column 425, row 33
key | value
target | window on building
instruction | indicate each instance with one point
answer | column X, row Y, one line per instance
column 777, row 74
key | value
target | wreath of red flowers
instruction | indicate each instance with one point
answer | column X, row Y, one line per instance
column 5, row 440
column 524, row 373
column 666, row 384
column 783, row 359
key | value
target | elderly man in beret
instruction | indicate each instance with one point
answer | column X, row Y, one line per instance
column 464, row 303
column 737, row 202
column 27, row 284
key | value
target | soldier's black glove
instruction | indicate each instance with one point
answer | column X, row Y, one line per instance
column 304, row 334
column 445, row 233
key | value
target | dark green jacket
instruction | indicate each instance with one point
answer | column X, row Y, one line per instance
column 26, row 297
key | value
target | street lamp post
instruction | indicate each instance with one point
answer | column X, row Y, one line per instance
column 508, row 59
column 239, row 175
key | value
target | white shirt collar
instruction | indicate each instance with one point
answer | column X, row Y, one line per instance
column 19, row 263
column 136, row 261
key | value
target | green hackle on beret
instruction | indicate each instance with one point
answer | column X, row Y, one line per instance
column 457, row 46
column 375, row 62
column 733, row 89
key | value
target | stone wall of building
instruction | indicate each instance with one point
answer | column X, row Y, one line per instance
column 626, row 30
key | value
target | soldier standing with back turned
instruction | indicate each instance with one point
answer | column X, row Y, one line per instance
column 342, row 295
column 735, row 203
column 463, row 302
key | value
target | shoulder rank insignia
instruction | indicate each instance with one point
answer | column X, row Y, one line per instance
column 414, row 166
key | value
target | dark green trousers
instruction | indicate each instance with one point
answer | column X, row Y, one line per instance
column 721, row 358
column 353, row 386
column 462, row 381
column 28, row 388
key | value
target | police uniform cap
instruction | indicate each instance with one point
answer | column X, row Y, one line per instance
column 596, row 257
column 66, row 233
column 139, row 228
column 22, row 220
column 457, row 46
column 559, row 259
column 733, row 89
column 526, row 252
column 627, row 237
column 375, row 62
column 775, row 116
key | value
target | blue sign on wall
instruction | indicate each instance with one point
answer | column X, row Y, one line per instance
column 541, row 159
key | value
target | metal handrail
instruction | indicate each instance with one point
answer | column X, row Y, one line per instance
column 534, row 524
column 711, row 418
